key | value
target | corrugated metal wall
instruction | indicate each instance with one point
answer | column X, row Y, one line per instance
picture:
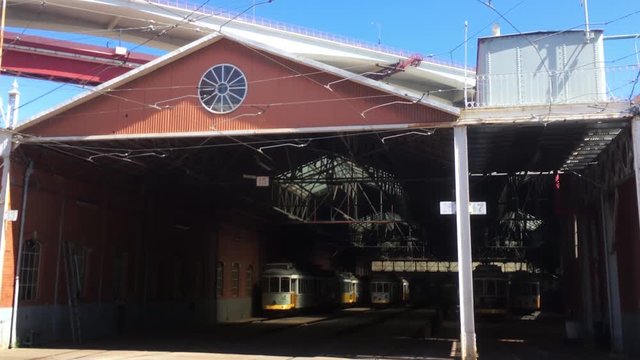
column 541, row 68
column 289, row 95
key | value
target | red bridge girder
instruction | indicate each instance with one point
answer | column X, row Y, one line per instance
column 65, row 61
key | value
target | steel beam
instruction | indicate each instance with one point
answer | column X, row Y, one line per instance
column 66, row 61
column 463, row 226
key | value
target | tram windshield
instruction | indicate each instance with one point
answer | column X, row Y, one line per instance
column 274, row 284
column 380, row 287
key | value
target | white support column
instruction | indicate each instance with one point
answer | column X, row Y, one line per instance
column 463, row 225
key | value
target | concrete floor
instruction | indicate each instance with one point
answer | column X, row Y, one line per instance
column 363, row 334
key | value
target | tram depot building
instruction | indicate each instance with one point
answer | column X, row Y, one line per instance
column 155, row 200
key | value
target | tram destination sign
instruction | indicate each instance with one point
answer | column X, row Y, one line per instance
column 475, row 208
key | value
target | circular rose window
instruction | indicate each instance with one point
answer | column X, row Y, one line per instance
column 222, row 88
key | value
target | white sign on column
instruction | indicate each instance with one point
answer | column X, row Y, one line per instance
column 475, row 208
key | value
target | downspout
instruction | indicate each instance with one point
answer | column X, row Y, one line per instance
column 5, row 152
column 16, row 286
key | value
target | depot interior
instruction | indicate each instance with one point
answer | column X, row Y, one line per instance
column 159, row 233
column 179, row 234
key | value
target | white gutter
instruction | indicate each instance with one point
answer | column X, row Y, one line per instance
column 201, row 134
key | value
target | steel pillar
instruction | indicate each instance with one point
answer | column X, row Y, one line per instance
column 463, row 227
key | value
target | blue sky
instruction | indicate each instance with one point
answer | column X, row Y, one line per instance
column 427, row 27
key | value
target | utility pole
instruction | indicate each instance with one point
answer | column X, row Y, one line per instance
column 14, row 105
column 587, row 31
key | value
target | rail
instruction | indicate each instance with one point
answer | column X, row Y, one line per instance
column 186, row 5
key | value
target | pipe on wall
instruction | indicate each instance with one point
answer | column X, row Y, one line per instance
column 16, row 284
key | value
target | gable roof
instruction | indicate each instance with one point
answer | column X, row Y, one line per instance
column 189, row 22
column 413, row 96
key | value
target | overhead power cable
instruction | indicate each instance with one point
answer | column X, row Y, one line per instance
column 106, row 67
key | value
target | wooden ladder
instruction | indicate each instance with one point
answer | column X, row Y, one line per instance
column 71, row 270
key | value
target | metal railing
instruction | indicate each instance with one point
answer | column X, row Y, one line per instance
column 186, row 5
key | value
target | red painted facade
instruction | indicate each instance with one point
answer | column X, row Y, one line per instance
column 142, row 246
column 239, row 246
column 290, row 96
column 81, row 210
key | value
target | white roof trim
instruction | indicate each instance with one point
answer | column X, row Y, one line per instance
column 415, row 96
column 212, row 38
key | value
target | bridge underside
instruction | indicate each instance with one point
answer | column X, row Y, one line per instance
column 65, row 61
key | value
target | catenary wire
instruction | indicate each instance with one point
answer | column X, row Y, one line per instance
column 185, row 18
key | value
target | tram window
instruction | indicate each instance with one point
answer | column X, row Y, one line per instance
column 385, row 287
column 285, row 285
column 274, row 284
column 491, row 288
column 294, row 285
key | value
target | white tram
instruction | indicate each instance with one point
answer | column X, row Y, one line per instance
column 388, row 289
column 284, row 287
column 349, row 288
column 490, row 290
